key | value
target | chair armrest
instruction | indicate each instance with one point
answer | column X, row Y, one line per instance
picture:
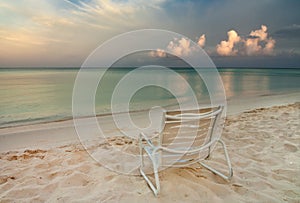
column 192, row 114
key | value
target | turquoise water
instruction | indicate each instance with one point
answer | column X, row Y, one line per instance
column 40, row 95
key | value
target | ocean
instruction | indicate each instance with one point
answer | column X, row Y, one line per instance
column 36, row 95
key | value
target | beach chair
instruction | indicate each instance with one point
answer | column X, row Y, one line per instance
column 188, row 137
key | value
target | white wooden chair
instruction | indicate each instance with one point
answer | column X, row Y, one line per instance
column 188, row 137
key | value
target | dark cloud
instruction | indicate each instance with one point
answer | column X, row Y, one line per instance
column 252, row 37
column 282, row 60
column 292, row 31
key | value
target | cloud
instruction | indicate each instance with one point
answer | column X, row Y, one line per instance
column 183, row 46
column 269, row 47
column 261, row 33
column 226, row 48
column 51, row 21
column 158, row 53
column 252, row 46
column 258, row 38
column 292, row 31
column 201, row 41
column 63, row 33
column 257, row 43
column 180, row 47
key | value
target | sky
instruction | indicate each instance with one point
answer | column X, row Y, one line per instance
column 234, row 33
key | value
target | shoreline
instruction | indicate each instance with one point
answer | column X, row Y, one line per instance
column 237, row 106
column 234, row 103
column 63, row 131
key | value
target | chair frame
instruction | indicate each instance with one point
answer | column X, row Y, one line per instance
column 154, row 153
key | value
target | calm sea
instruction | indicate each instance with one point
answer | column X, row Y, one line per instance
column 44, row 94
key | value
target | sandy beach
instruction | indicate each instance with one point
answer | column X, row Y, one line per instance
column 263, row 145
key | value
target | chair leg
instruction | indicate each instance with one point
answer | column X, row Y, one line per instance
column 156, row 188
column 230, row 172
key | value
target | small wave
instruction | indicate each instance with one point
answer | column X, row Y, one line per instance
column 32, row 121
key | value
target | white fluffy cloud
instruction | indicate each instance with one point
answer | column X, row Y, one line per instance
column 257, row 43
column 180, row 47
column 226, row 48
column 256, row 40
column 269, row 47
column 261, row 33
column 201, row 41
column 158, row 53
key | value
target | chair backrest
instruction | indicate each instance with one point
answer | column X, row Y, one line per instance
column 191, row 134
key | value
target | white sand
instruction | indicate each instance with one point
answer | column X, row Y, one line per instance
column 264, row 146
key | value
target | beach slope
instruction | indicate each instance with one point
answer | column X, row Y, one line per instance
column 263, row 144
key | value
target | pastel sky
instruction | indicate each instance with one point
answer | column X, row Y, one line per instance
column 62, row 33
